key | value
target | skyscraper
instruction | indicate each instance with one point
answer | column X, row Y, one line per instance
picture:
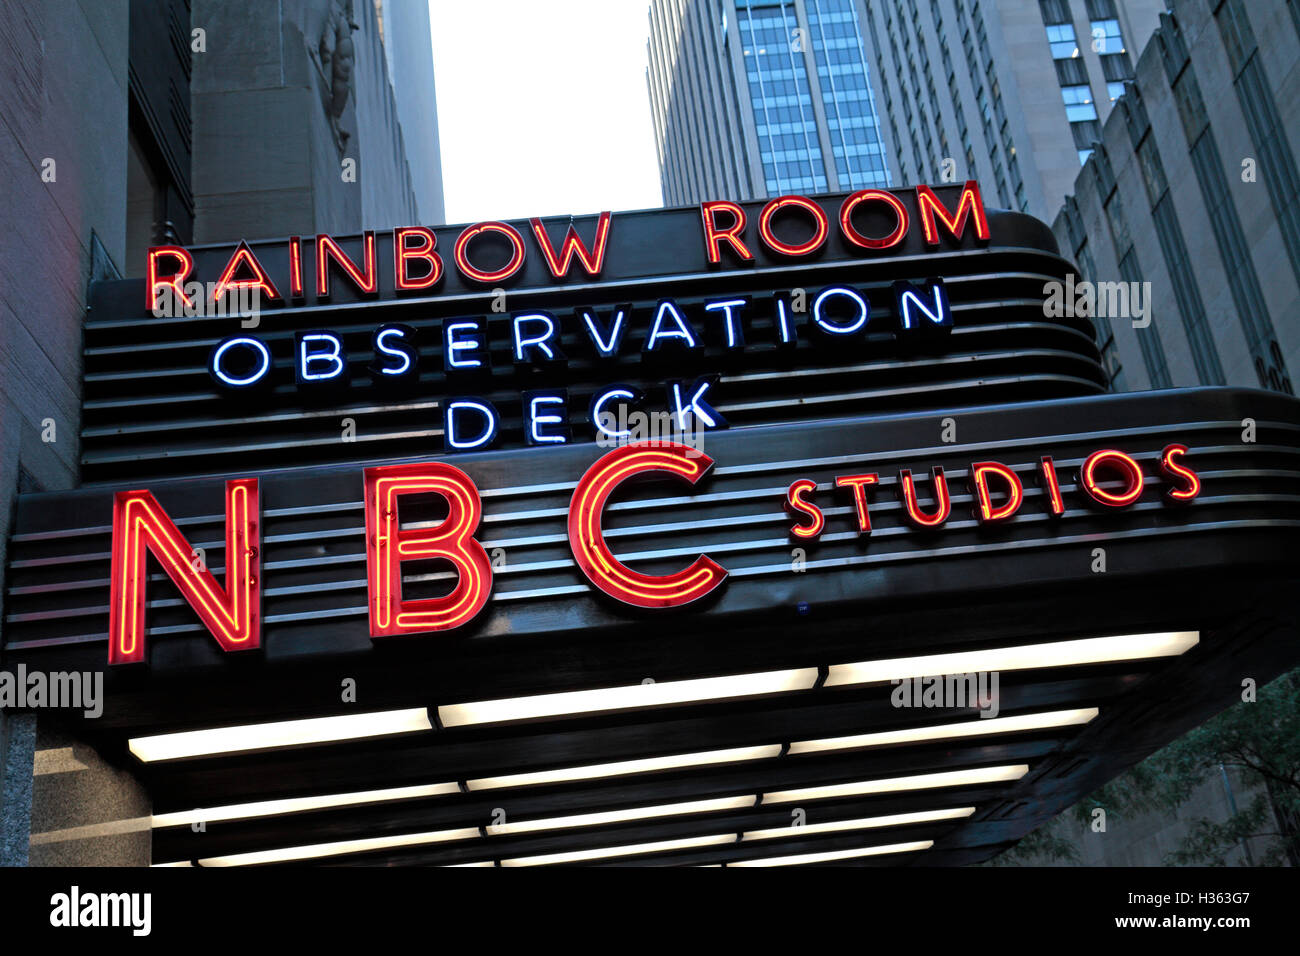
column 322, row 110
column 137, row 123
column 756, row 98
column 968, row 88
column 1193, row 193
column 404, row 30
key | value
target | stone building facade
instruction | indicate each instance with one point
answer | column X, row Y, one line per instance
column 185, row 121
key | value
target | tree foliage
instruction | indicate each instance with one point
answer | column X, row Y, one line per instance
column 1259, row 740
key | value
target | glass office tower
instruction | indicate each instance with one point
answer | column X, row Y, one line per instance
column 759, row 98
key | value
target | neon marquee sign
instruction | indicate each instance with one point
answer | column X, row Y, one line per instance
column 1108, row 479
column 419, row 267
column 671, row 331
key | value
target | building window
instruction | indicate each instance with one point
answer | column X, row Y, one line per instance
column 1115, row 67
column 1172, row 48
column 1114, row 91
column 1000, row 178
column 1135, row 115
column 1238, row 37
column 1105, row 336
column 1083, row 156
column 789, row 147
column 1071, row 72
column 1086, row 132
column 1060, row 37
column 847, row 95
column 1054, row 11
column 1153, row 350
column 1107, row 37
column 1205, row 356
column 1078, row 103
column 1191, row 106
column 1118, row 222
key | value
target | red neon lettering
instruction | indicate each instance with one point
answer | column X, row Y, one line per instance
column 970, row 204
column 243, row 256
column 812, row 244
column 858, row 239
column 1015, row 492
column 588, row 541
column 942, row 503
column 572, row 246
column 796, row 505
column 295, row 266
column 232, row 615
column 1116, row 461
column 461, row 252
column 404, row 253
column 388, row 545
column 175, row 281
column 859, row 484
column 1187, row 484
column 1052, row 485
column 714, row 235
column 327, row 250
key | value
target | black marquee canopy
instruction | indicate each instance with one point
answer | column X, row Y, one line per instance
column 761, row 723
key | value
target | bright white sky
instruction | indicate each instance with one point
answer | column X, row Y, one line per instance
column 542, row 107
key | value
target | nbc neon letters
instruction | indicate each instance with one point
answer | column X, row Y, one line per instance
column 231, row 611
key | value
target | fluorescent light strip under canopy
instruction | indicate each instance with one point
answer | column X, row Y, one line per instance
column 603, row 853
column 628, row 696
column 862, row 823
column 621, row 816
column 621, row 767
column 286, row 733
column 832, row 855
column 353, row 726
column 267, row 808
column 922, row 781
column 975, row 726
column 942, row 731
column 706, row 758
column 1055, row 654
column 315, row 851
column 1093, row 650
